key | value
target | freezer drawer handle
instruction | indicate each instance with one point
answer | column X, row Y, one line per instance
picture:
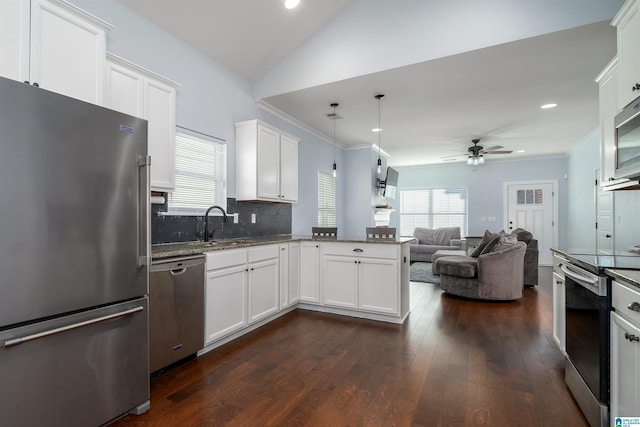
column 17, row 341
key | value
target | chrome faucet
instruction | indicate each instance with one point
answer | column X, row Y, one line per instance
column 206, row 220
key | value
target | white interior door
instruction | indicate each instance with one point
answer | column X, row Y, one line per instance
column 530, row 206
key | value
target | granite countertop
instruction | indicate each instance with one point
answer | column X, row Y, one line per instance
column 631, row 277
column 183, row 249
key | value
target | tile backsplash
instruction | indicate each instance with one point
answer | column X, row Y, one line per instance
column 271, row 219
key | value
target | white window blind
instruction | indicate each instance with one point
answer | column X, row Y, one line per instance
column 434, row 208
column 326, row 200
column 201, row 175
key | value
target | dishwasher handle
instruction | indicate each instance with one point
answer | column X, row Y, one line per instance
column 177, row 266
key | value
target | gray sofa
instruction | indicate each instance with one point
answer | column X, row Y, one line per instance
column 494, row 275
column 428, row 241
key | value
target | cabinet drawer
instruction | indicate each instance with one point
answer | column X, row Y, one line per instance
column 622, row 297
column 261, row 253
column 557, row 262
column 222, row 259
column 362, row 250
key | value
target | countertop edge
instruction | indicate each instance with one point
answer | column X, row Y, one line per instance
column 165, row 251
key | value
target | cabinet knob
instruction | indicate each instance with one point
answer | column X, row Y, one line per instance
column 608, row 236
column 634, row 306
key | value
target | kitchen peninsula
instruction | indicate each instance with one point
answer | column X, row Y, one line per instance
column 252, row 281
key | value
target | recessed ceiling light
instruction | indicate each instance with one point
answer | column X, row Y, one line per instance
column 290, row 4
column 519, row 151
column 376, row 130
column 547, row 106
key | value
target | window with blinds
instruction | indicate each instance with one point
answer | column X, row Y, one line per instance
column 326, row 200
column 434, row 208
column 201, row 175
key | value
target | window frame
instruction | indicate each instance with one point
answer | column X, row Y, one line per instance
column 330, row 209
column 430, row 214
column 193, row 171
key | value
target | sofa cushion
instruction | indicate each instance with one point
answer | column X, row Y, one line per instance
column 504, row 241
column 458, row 265
column 488, row 237
column 489, row 246
column 436, row 236
column 523, row 235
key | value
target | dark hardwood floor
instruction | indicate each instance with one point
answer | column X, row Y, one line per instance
column 454, row 362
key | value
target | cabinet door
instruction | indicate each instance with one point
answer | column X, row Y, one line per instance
column 288, row 168
column 284, row 276
column 268, row 163
column 378, row 289
column 340, row 281
column 14, row 39
column 625, row 368
column 263, row 289
column 559, row 325
column 608, row 100
column 124, row 90
column 628, row 58
column 226, row 302
column 68, row 53
column 310, row 272
column 294, row 273
column 159, row 110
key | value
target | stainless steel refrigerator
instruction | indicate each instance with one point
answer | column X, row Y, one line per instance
column 74, row 256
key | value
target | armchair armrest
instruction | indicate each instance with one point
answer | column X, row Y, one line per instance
column 456, row 242
column 504, row 268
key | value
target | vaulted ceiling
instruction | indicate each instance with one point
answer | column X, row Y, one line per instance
column 450, row 71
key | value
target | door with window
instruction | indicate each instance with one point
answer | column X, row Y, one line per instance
column 530, row 206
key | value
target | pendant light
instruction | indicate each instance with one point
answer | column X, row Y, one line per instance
column 379, row 98
column 333, row 116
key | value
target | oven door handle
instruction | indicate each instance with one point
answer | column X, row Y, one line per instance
column 586, row 282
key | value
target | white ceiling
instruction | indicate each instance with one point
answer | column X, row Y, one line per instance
column 432, row 108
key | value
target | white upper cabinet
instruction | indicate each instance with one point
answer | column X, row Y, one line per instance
column 608, row 100
column 266, row 163
column 627, row 22
column 133, row 90
column 54, row 45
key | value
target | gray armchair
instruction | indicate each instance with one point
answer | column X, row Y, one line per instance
column 428, row 241
column 495, row 275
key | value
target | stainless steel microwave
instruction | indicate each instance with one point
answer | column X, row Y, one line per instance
column 627, row 124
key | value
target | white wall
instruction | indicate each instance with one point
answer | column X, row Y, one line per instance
column 485, row 187
column 582, row 164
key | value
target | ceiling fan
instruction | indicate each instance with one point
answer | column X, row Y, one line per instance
column 475, row 153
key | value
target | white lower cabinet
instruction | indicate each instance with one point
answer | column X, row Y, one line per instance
column 378, row 285
column 225, row 294
column 625, row 367
column 369, row 281
column 559, row 326
column 289, row 274
column 263, row 288
column 310, row 272
column 624, row 351
column 340, row 281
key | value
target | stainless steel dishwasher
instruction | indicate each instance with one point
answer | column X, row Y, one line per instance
column 176, row 310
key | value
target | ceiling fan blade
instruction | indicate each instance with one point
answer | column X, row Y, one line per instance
column 452, row 156
column 494, row 148
column 500, row 152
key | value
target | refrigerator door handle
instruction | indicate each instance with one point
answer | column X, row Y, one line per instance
column 21, row 340
column 144, row 211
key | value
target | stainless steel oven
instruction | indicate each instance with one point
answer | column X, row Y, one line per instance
column 587, row 307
